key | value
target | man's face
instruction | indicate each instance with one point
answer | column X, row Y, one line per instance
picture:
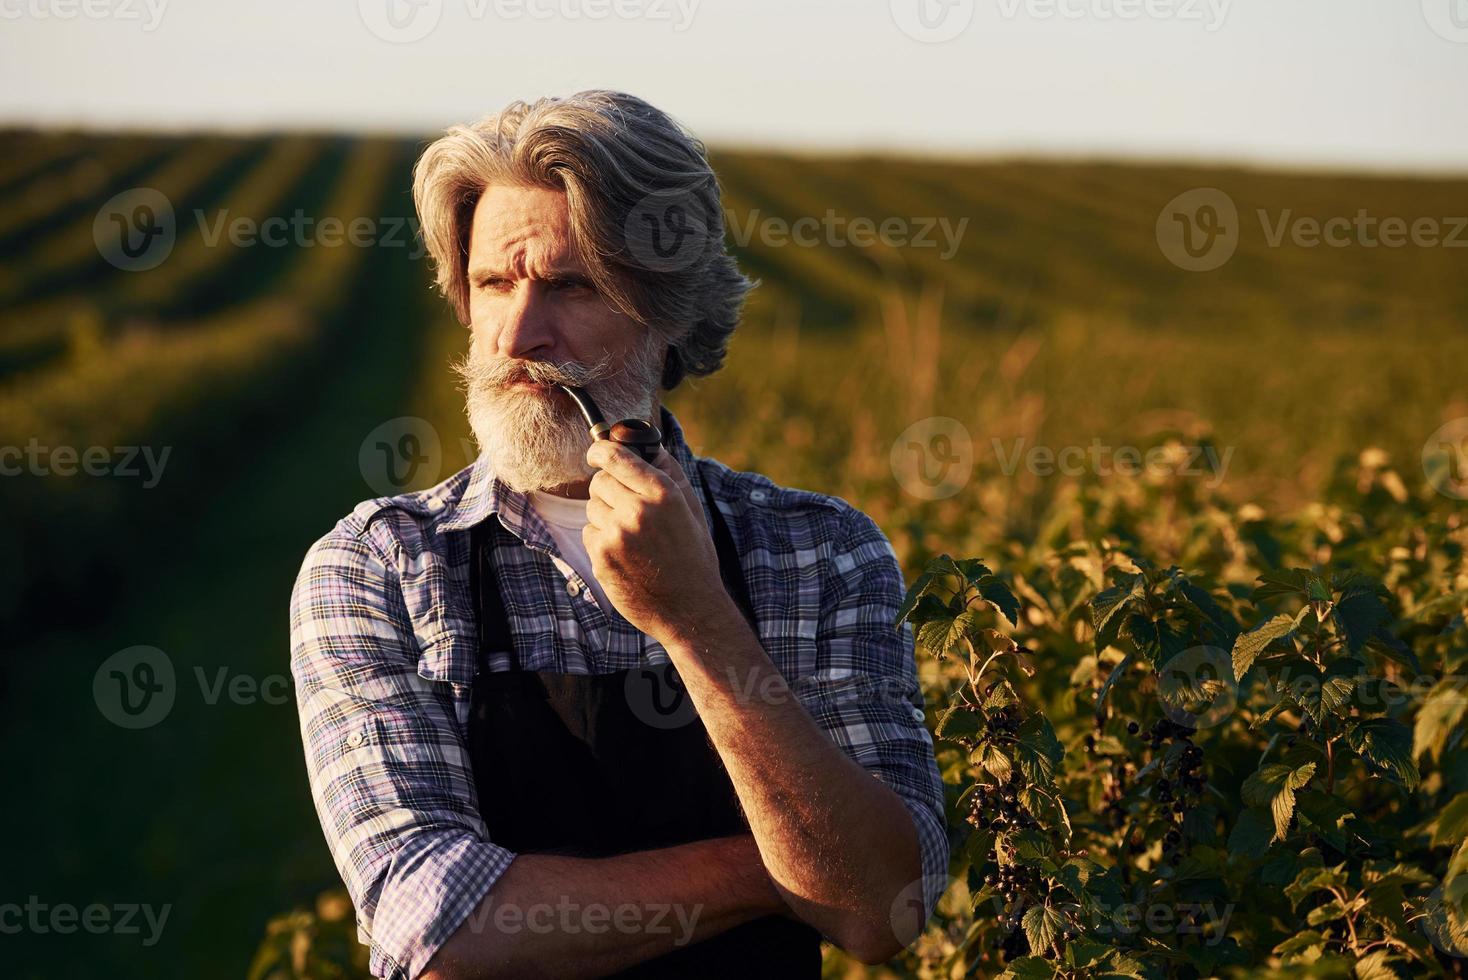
column 537, row 319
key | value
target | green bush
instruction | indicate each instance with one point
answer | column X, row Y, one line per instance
column 1251, row 770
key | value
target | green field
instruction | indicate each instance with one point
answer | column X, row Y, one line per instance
column 1056, row 320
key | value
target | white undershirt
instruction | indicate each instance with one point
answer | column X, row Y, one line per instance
column 565, row 517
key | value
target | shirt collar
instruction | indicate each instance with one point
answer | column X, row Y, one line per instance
column 487, row 494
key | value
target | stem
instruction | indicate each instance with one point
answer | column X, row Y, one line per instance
column 1350, row 918
column 1330, row 766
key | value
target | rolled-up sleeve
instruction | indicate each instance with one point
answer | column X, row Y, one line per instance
column 388, row 769
column 865, row 694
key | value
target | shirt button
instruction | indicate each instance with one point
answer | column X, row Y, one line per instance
column 758, row 496
column 917, row 714
column 572, row 589
column 355, row 739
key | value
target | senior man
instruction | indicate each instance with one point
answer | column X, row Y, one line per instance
column 485, row 669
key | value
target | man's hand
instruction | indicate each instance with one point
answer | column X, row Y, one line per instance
column 649, row 543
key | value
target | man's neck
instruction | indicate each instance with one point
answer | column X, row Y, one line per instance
column 581, row 489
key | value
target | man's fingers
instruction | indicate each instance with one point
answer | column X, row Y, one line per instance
column 612, row 493
column 637, row 475
column 674, row 471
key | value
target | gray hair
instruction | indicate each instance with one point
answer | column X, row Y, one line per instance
column 645, row 212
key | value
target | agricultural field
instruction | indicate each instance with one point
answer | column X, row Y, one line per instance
column 1299, row 399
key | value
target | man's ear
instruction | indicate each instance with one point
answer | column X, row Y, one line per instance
column 672, row 369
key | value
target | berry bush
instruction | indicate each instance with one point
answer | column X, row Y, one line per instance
column 1248, row 764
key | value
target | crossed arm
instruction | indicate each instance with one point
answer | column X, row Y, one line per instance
column 695, row 890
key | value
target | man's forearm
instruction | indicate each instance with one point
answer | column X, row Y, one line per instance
column 840, row 845
column 552, row 916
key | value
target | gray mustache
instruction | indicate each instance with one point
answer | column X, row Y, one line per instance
column 498, row 375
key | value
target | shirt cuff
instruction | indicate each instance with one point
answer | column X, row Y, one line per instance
column 933, row 850
column 435, row 882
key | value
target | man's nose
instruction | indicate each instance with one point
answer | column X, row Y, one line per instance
column 528, row 330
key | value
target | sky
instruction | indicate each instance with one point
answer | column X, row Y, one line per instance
column 1350, row 84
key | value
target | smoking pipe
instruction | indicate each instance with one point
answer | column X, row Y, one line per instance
column 638, row 435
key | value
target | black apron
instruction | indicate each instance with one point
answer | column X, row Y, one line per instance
column 592, row 765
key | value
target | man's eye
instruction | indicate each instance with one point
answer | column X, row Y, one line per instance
column 563, row 285
column 494, row 284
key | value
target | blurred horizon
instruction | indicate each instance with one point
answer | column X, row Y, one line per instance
column 1242, row 164
column 1350, row 85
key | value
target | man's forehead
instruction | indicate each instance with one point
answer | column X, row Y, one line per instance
column 515, row 223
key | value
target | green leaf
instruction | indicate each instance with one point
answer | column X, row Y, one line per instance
column 1293, row 581
column 1274, row 786
column 959, row 721
column 1250, row 645
column 1203, row 601
column 1384, row 643
column 1038, row 751
column 1329, row 912
column 996, row 763
column 1324, row 693
column 1252, row 834
column 1302, row 947
column 1028, row 968
column 1384, row 874
column 1451, row 825
column 1379, row 965
column 1439, row 718
column 1387, row 744
column 972, row 569
column 1042, row 926
column 1112, row 678
column 1359, row 615
column 1326, row 814
column 1311, row 880
column 944, row 636
column 1081, row 952
column 1109, row 605
column 998, row 595
column 920, row 587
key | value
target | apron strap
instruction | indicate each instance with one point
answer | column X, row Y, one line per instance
column 494, row 623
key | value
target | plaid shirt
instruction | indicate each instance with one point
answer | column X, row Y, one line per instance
column 384, row 650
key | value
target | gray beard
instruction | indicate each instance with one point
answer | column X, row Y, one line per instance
column 538, row 441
